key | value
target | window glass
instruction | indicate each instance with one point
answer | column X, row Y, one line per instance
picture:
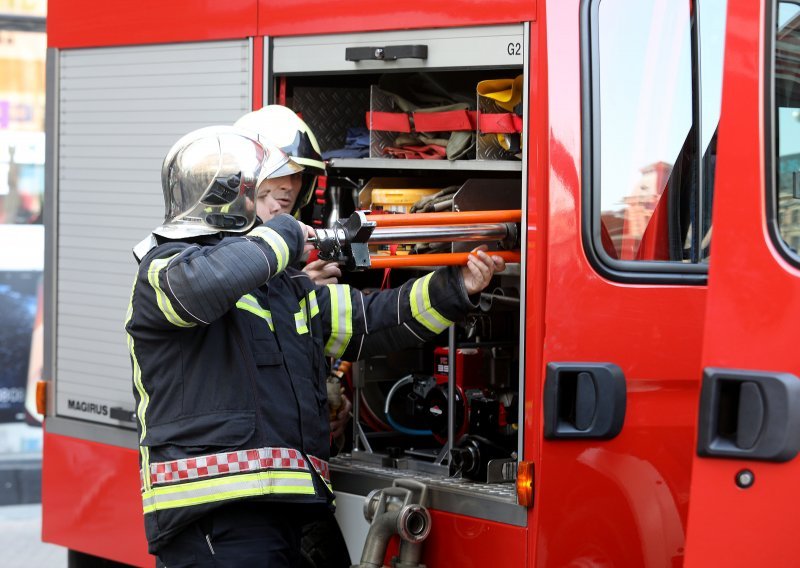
column 654, row 62
column 787, row 121
column 22, row 102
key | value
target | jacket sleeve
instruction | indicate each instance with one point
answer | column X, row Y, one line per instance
column 182, row 285
column 357, row 326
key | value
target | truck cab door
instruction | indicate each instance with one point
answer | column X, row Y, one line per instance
column 744, row 491
column 627, row 256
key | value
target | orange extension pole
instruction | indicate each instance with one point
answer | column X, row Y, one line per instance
column 437, row 259
column 446, row 218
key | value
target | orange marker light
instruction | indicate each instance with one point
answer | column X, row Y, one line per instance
column 41, row 397
column 525, row 483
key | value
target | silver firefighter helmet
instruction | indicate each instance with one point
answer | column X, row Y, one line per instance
column 209, row 178
column 279, row 126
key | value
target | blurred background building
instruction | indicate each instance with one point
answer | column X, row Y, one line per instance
column 22, row 151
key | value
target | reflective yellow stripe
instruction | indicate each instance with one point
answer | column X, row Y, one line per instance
column 341, row 320
column 422, row 309
column 249, row 303
column 276, row 242
column 229, row 487
column 300, row 320
column 144, row 398
column 164, row 303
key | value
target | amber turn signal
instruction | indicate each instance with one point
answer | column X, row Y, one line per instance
column 525, row 483
column 41, row 397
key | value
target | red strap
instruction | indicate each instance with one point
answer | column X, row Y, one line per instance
column 390, row 121
column 387, row 271
column 500, row 123
column 427, row 152
column 445, row 121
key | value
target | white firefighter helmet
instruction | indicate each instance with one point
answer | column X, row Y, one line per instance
column 209, row 178
column 279, row 126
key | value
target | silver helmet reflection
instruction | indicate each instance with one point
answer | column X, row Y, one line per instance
column 209, row 178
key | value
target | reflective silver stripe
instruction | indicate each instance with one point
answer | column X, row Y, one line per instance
column 313, row 307
column 422, row 309
column 301, row 321
column 249, row 303
column 341, row 320
column 229, row 487
column 276, row 242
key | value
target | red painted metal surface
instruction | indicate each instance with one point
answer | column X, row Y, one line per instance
column 89, row 23
column 537, row 204
column 258, row 72
column 754, row 299
column 458, row 540
column 621, row 502
column 91, row 500
column 303, row 17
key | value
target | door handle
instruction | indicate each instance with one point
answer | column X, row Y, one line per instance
column 387, row 53
column 583, row 400
column 749, row 415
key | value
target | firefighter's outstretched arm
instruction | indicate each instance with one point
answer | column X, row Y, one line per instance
column 358, row 325
column 182, row 285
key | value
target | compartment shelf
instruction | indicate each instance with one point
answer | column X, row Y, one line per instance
column 441, row 165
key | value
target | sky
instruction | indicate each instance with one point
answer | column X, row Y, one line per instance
column 645, row 85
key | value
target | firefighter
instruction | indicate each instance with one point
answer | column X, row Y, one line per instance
column 277, row 125
column 228, row 346
column 322, row 543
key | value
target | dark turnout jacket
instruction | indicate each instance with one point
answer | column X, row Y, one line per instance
column 228, row 350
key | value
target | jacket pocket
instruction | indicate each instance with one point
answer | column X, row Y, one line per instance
column 268, row 358
column 220, row 429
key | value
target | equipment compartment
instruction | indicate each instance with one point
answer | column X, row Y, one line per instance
column 449, row 412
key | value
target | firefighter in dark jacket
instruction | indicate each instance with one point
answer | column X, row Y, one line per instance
column 228, row 347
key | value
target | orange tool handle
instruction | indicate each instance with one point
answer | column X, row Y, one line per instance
column 446, row 218
column 440, row 259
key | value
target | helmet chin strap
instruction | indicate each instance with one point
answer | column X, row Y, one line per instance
column 306, row 191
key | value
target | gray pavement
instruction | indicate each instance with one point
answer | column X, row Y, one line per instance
column 21, row 539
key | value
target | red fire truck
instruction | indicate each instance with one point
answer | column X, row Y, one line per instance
column 627, row 394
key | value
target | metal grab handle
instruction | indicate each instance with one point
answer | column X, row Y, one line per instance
column 445, row 218
column 446, row 234
column 387, row 53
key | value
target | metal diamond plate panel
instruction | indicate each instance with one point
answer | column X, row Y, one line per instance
column 330, row 111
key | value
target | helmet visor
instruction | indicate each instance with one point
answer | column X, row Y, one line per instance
column 212, row 182
column 210, row 179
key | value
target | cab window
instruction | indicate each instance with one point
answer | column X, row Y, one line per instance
column 786, row 84
column 654, row 96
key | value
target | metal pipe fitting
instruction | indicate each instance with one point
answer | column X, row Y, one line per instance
column 391, row 511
